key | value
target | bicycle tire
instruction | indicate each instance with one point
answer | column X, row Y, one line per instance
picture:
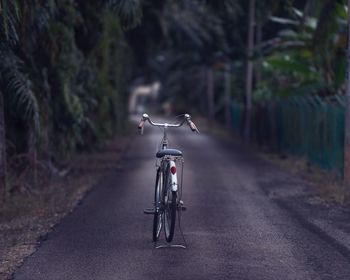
column 157, row 217
column 169, row 208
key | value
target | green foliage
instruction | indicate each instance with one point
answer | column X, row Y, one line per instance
column 308, row 54
column 17, row 88
column 129, row 11
column 65, row 70
column 9, row 15
column 91, row 83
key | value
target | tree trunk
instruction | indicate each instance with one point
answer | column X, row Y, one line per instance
column 45, row 119
column 32, row 156
column 347, row 114
column 2, row 150
column 228, row 95
column 45, row 154
column 249, row 71
column 210, row 94
column 258, row 66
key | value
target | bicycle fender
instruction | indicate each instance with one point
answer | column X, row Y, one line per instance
column 174, row 185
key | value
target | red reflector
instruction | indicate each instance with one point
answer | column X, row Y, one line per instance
column 173, row 170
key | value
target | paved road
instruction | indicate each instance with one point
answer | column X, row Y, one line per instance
column 234, row 229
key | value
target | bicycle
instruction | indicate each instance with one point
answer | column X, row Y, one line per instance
column 168, row 193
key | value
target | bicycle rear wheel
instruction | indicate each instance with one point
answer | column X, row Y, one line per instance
column 170, row 205
column 158, row 213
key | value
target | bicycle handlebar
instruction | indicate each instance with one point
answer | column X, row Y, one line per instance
column 187, row 118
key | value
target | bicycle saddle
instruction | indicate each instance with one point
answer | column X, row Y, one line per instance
column 169, row 152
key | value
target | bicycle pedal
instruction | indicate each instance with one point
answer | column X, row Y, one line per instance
column 149, row 211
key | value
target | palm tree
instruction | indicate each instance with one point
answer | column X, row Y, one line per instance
column 15, row 82
column 8, row 35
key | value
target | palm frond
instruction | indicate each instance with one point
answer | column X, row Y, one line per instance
column 9, row 17
column 129, row 11
column 194, row 28
column 37, row 19
column 18, row 87
column 229, row 7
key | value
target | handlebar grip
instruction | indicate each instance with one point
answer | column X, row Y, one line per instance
column 141, row 125
column 193, row 126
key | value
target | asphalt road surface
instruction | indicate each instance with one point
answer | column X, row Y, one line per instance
column 234, row 230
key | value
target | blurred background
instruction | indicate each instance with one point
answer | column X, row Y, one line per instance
column 72, row 71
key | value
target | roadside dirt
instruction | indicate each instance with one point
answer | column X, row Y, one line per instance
column 27, row 217
column 328, row 187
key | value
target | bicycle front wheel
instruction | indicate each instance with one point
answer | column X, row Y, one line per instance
column 170, row 205
column 158, row 209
